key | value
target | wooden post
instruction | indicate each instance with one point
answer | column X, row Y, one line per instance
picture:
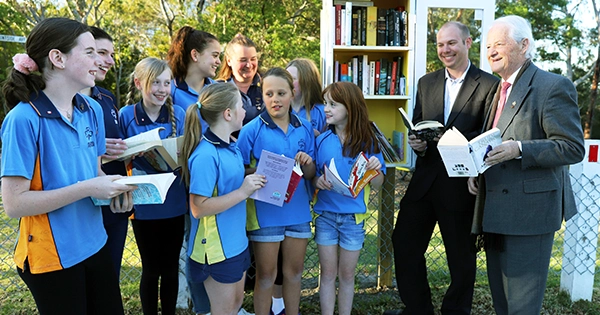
column 385, row 221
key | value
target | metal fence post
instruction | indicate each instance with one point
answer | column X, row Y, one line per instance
column 386, row 227
column 581, row 234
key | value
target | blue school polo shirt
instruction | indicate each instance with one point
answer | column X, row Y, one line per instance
column 252, row 100
column 133, row 120
column 317, row 116
column 40, row 145
column 329, row 146
column 216, row 169
column 108, row 102
column 184, row 96
column 262, row 133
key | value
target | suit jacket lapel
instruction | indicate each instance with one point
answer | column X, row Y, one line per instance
column 437, row 91
column 466, row 91
column 514, row 101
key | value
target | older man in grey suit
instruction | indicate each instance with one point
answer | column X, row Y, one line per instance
column 527, row 192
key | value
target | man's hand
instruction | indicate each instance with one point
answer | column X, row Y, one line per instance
column 508, row 150
column 473, row 185
column 417, row 144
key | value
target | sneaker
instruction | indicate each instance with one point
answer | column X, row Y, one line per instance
column 244, row 312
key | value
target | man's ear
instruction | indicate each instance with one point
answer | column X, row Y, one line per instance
column 57, row 58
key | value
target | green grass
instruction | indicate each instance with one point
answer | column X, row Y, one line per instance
column 16, row 299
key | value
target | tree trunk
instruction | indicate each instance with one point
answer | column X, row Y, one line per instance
column 587, row 126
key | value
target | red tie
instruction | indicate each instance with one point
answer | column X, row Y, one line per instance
column 501, row 102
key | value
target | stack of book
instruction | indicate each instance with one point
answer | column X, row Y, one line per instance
column 359, row 23
column 375, row 77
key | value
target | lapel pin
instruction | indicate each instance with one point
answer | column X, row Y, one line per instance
column 513, row 104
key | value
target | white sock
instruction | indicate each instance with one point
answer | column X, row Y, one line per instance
column 277, row 305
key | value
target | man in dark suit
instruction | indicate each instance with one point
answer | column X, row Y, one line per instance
column 527, row 192
column 456, row 96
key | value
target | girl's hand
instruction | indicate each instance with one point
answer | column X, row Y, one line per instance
column 374, row 163
column 122, row 203
column 104, row 187
column 303, row 158
column 114, row 147
column 321, row 183
column 252, row 183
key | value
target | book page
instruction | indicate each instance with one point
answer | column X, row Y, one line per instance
column 360, row 176
column 332, row 176
column 150, row 135
column 454, row 150
column 151, row 189
column 278, row 170
column 482, row 145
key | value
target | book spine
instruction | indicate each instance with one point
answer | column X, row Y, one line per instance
column 348, row 23
column 344, row 27
column 397, row 28
column 363, row 28
column 338, row 24
column 360, row 27
column 365, row 74
column 388, row 83
column 404, row 34
column 336, row 71
column 344, row 72
column 371, row 26
column 389, row 17
column 355, row 27
column 355, row 68
column 372, row 78
column 393, row 84
column 382, row 77
column 381, row 26
column 377, row 74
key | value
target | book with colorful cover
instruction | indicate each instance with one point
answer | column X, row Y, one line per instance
column 151, row 189
column 357, row 180
column 294, row 181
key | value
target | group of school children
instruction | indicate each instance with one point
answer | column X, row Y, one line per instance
column 60, row 126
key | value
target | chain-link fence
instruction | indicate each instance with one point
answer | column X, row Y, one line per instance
column 375, row 265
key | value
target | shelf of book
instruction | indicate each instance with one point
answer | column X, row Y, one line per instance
column 384, row 70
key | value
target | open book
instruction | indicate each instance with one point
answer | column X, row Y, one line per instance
column 357, row 180
column 151, row 189
column 463, row 158
column 425, row 130
column 278, row 170
column 160, row 153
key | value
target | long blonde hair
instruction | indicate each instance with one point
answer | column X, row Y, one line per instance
column 309, row 80
column 226, row 72
column 214, row 100
column 146, row 71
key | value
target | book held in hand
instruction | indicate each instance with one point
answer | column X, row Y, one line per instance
column 463, row 158
column 160, row 153
column 294, row 181
column 151, row 189
column 278, row 171
column 357, row 180
column 425, row 130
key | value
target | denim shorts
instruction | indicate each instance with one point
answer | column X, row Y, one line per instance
column 339, row 229
column 230, row 270
column 278, row 233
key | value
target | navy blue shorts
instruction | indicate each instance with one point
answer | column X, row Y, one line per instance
column 230, row 270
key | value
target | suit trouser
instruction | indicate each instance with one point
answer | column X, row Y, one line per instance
column 412, row 233
column 518, row 274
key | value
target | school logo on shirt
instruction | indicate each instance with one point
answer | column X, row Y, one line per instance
column 113, row 113
column 301, row 145
column 88, row 135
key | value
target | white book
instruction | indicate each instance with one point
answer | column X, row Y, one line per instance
column 365, row 74
column 348, row 23
column 355, row 70
column 463, row 158
column 371, row 77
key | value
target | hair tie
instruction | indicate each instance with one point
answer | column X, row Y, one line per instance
column 24, row 64
column 199, row 104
